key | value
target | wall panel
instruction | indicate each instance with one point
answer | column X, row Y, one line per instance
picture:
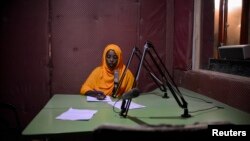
column 81, row 30
column 24, row 56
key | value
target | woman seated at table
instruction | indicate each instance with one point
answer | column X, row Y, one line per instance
column 104, row 79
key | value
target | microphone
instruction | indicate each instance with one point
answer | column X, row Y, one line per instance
column 133, row 93
column 116, row 76
column 116, row 80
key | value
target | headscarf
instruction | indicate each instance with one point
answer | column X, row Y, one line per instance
column 102, row 78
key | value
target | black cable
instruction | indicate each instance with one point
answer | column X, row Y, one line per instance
column 197, row 98
column 115, row 104
column 219, row 107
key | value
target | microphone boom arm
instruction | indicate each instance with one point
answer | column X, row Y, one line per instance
column 171, row 85
column 180, row 100
column 126, row 103
column 124, row 72
column 157, row 81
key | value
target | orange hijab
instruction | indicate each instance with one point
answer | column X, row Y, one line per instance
column 102, row 78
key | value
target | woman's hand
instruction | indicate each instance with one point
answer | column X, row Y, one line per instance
column 100, row 95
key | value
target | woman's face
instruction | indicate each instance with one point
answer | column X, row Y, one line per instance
column 111, row 59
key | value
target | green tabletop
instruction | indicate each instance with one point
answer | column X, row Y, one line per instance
column 46, row 124
column 158, row 110
column 74, row 101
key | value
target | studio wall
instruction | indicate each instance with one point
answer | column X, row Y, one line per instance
column 51, row 46
column 24, row 56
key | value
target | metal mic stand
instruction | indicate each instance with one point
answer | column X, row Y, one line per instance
column 181, row 102
column 114, row 95
column 156, row 80
column 126, row 103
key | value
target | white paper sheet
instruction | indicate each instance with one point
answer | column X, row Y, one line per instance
column 132, row 105
column 94, row 99
column 77, row 114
